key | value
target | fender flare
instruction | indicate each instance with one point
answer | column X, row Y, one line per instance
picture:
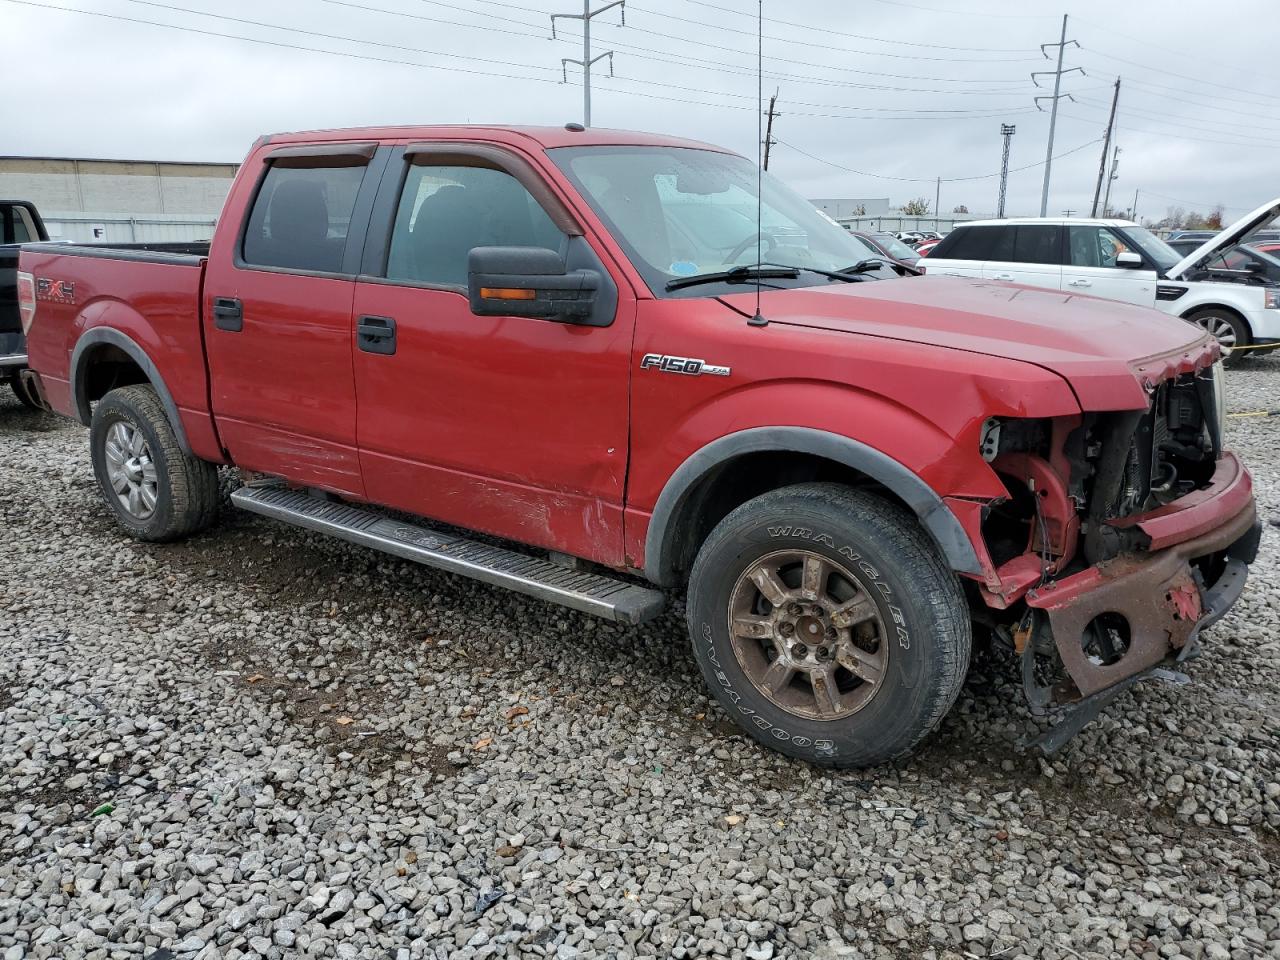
column 98, row 336
column 933, row 514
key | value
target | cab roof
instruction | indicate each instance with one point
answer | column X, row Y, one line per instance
column 539, row 137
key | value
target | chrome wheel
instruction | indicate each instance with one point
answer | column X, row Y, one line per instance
column 808, row 634
column 1221, row 329
column 130, row 470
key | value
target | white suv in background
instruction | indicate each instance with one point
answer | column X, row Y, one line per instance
column 1120, row 260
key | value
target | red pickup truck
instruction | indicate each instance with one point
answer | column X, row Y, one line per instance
column 551, row 337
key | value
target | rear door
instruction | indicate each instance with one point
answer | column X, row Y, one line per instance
column 1092, row 267
column 1029, row 253
column 510, row 425
column 277, row 316
column 964, row 251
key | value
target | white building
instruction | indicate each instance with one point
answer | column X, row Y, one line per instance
column 120, row 201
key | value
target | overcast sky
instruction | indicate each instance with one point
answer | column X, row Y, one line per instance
column 913, row 90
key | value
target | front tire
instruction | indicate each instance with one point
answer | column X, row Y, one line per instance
column 1228, row 329
column 157, row 492
column 827, row 624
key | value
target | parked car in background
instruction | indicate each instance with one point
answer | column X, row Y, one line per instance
column 891, row 246
column 20, row 223
column 1121, row 260
column 495, row 329
column 902, row 267
column 1201, row 235
column 924, row 247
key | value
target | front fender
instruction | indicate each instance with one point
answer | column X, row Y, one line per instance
column 934, row 515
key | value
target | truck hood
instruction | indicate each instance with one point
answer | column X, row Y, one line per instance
column 1105, row 350
column 1228, row 238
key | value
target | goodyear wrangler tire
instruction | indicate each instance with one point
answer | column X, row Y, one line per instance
column 827, row 624
column 156, row 491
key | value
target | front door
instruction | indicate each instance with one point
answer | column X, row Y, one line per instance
column 509, row 425
column 277, row 318
column 1092, row 267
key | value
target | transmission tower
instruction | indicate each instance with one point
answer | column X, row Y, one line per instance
column 1007, row 130
column 1062, row 45
column 587, row 60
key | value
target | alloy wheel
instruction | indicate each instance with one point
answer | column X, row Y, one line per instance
column 131, row 471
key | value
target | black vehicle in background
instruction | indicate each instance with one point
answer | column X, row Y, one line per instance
column 19, row 223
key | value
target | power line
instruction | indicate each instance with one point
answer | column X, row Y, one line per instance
column 828, row 31
column 700, row 55
column 1172, row 118
column 1193, row 204
column 1177, row 137
column 721, row 27
column 881, row 176
column 715, row 66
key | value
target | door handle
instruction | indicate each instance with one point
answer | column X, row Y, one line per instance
column 1003, row 276
column 376, row 335
column 1080, row 283
column 228, row 314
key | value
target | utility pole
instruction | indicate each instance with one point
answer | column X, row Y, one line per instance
column 937, row 203
column 1053, row 113
column 768, row 130
column 1133, row 213
column 1007, row 130
column 1115, row 165
column 1068, row 214
column 1106, row 146
column 587, row 60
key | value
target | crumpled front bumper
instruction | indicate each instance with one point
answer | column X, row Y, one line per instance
column 1201, row 548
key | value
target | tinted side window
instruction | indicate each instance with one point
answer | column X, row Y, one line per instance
column 301, row 216
column 969, row 243
column 1037, row 244
column 445, row 212
column 1093, row 247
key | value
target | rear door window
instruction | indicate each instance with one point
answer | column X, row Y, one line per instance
column 1036, row 243
column 301, row 217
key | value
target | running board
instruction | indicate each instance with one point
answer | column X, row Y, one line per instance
column 592, row 593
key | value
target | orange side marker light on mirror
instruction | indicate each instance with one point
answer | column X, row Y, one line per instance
column 507, row 293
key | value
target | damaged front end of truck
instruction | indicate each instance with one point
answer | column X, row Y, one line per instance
column 1123, row 535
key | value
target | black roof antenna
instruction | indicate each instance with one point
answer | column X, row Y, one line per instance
column 758, row 320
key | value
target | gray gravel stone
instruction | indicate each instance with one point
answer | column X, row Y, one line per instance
column 250, row 818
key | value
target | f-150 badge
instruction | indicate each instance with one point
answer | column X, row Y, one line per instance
column 689, row 366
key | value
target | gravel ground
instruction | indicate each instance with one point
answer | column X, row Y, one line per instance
column 264, row 743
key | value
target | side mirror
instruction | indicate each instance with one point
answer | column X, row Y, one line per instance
column 528, row 282
column 1129, row 260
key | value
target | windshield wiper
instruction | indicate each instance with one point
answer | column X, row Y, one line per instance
column 848, row 274
column 743, row 274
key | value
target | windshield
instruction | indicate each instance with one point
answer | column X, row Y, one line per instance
column 1157, row 251
column 683, row 212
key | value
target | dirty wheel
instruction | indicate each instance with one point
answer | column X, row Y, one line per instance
column 1229, row 330
column 156, row 491
column 827, row 624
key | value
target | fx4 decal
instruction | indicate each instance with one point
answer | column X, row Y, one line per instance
column 55, row 291
column 689, row 366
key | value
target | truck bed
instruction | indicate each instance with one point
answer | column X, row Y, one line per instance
column 90, row 296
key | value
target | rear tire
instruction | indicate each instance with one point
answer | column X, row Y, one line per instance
column 845, row 689
column 25, row 396
column 156, row 491
column 1228, row 329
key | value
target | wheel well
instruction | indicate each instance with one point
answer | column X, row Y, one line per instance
column 1223, row 308
column 732, row 483
column 106, row 368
